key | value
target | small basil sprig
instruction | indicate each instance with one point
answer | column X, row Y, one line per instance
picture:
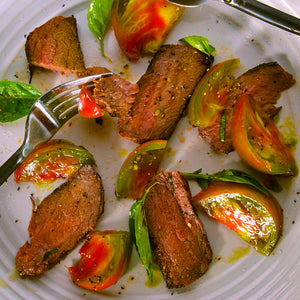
column 140, row 235
column 225, row 175
column 200, row 43
column 98, row 15
column 16, row 99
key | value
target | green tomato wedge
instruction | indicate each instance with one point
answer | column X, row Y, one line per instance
column 209, row 97
column 255, row 217
column 139, row 168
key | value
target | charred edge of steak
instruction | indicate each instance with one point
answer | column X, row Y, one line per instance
column 55, row 46
column 264, row 83
column 61, row 220
column 178, row 238
column 164, row 90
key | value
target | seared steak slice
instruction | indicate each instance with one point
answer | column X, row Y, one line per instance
column 113, row 93
column 163, row 93
column 177, row 235
column 60, row 221
column 55, row 46
column 264, row 83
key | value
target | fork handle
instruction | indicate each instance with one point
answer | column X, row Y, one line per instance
column 11, row 164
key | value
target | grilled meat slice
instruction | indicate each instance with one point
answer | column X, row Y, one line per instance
column 55, row 46
column 264, row 83
column 177, row 236
column 163, row 93
column 60, row 221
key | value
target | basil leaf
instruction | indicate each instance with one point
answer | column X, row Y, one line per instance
column 230, row 175
column 140, row 235
column 16, row 99
column 98, row 15
column 200, row 43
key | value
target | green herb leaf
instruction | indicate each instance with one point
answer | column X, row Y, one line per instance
column 16, row 99
column 200, row 43
column 140, row 235
column 98, row 15
column 226, row 175
column 48, row 253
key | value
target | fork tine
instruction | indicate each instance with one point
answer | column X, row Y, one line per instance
column 71, row 111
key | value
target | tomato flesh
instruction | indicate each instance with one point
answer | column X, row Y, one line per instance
column 260, row 144
column 86, row 106
column 104, row 259
column 255, row 217
column 51, row 160
column 139, row 168
column 141, row 26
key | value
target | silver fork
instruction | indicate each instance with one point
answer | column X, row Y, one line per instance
column 47, row 115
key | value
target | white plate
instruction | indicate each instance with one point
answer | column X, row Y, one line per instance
column 231, row 275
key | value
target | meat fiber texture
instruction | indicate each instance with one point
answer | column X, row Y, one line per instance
column 60, row 221
column 163, row 93
column 177, row 236
column 264, row 84
column 55, row 46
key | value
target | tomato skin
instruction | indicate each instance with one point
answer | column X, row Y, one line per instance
column 86, row 106
column 260, row 145
column 104, row 259
column 51, row 160
column 141, row 26
column 139, row 169
column 255, row 217
column 209, row 97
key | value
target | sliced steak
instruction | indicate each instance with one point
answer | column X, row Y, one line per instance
column 55, row 46
column 177, row 236
column 264, row 83
column 163, row 93
column 60, row 221
column 113, row 93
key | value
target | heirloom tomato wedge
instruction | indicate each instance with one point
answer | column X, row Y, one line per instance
column 259, row 143
column 139, row 168
column 104, row 259
column 141, row 26
column 86, row 106
column 209, row 97
column 255, row 217
column 52, row 160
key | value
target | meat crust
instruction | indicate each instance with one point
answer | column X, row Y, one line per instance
column 60, row 221
column 163, row 93
column 178, row 238
column 55, row 46
column 264, row 83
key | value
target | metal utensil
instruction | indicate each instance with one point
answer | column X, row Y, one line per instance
column 256, row 9
column 47, row 115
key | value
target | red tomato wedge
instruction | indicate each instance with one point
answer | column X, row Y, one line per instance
column 254, row 216
column 260, row 145
column 52, row 160
column 139, row 168
column 104, row 259
column 209, row 97
column 87, row 106
column 141, row 26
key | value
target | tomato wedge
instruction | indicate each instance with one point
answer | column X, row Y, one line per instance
column 87, row 106
column 141, row 26
column 51, row 160
column 139, row 168
column 260, row 145
column 209, row 97
column 104, row 259
column 255, row 217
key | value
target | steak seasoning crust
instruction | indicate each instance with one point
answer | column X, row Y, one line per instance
column 60, row 221
column 163, row 93
column 177, row 236
column 55, row 46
